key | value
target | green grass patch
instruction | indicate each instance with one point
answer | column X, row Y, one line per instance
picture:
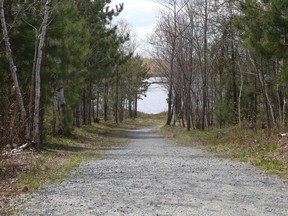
column 44, row 173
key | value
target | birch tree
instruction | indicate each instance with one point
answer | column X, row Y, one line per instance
column 42, row 38
column 13, row 71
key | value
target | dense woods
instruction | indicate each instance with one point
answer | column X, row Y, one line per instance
column 64, row 64
column 225, row 62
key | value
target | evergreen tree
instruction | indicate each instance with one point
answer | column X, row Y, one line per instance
column 264, row 26
column 68, row 48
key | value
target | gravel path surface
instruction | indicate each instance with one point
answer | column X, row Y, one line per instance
column 151, row 177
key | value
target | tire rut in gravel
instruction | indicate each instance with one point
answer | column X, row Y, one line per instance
column 152, row 177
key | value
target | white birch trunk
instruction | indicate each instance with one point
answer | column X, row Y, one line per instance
column 36, row 121
column 13, row 71
column 32, row 89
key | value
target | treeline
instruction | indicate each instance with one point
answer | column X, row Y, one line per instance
column 225, row 62
column 63, row 64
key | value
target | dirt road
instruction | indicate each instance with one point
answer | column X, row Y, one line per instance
column 151, row 177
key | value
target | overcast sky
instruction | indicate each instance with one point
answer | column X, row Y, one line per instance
column 141, row 16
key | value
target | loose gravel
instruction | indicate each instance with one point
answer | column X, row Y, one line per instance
column 152, row 177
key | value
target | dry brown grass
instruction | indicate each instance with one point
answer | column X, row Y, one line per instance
column 11, row 167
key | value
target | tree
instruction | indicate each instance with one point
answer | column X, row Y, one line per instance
column 42, row 38
column 264, row 25
column 104, row 43
column 13, row 71
column 68, row 48
column 64, row 72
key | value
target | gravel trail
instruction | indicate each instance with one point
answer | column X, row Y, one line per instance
column 152, row 177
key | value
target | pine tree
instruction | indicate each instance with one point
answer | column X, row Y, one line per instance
column 264, row 26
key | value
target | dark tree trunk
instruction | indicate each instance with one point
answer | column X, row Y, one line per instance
column 78, row 116
column 97, row 104
column 170, row 109
column 106, row 92
column 89, row 105
column 116, row 108
column 84, row 107
column 130, row 109
column 136, row 106
column 188, row 111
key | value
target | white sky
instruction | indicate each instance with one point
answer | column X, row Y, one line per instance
column 141, row 16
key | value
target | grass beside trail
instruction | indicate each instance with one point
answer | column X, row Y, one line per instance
column 62, row 154
column 28, row 171
column 268, row 152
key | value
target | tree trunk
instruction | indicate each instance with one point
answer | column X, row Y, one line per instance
column 84, row 107
column 233, row 65
column 97, row 104
column 89, row 104
column 78, row 116
column 205, row 76
column 188, row 113
column 56, row 120
column 93, row 110
column 268, row 105
column 284, row 112
column 267, row 98
column 106, row 91
column 170, row 110
column 116, row 106
column 178, row 109
column 13, row 71
column 59, row 108
column 280, row 98
column 130, row 109
column 240, row 95
column 36, row 122
column 188, row 103
column 136, row 106
column 121, row 106
column 32, row 87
